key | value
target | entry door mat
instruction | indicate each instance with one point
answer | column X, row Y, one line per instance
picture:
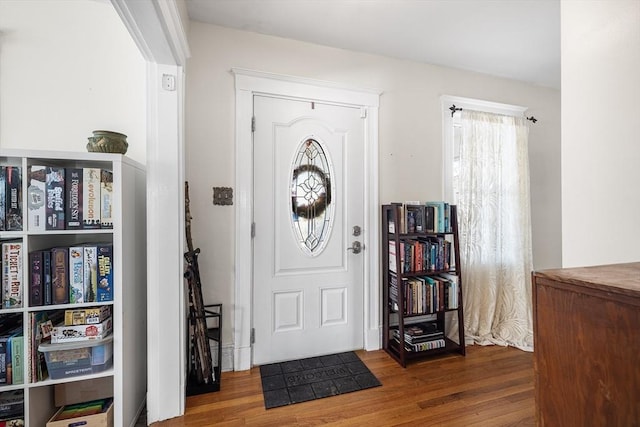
column 302, row 380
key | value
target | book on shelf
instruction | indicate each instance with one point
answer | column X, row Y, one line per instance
column 393, row 263
column 37, row 365
column 86, row 316
column 415, row 219
column 12, row 274
column 3, row 360
column 441, row 216
column 39, row 331
column 13, row 203
column 15, row 356
column 90, row 272
column 11, row 353
column 91, row 198
column 424, row 346
column 106, row 199
column 60, row 275
column 420, row 332
column 36, row 278
column 105, row 274
column 12, row 408
column 76, row 275
column 37, row 198
column 452, row 289
column 3, row 198
column 46, row 278
column 420, row 337
column 73, row 195
column 55, row 198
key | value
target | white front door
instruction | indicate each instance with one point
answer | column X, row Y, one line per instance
column 308, row 210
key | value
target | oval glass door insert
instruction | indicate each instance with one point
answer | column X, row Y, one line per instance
column 311, row 203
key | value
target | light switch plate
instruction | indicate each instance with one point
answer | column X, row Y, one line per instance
column 222, row 196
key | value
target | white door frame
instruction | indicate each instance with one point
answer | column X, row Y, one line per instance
column 156, row 27
column 249, row 83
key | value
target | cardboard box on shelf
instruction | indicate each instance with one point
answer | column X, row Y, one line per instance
column 83, row 391
column 86, row 316
column 64, row 417
column 79, row 333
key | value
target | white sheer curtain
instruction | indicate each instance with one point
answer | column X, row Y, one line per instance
column 495, row 229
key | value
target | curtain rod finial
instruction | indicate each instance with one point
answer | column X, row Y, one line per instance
column 453, row 109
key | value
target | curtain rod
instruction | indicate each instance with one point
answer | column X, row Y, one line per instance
column 453, row 109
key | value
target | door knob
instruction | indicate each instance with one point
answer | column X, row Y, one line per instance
column 356, row 247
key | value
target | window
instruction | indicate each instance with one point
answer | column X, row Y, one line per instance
column 312, row 210
column 452, row 136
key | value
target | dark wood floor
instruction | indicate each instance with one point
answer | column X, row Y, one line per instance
column 491, row 386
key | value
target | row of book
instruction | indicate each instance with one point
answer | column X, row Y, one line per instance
column 424, row 295
column 416, row 217
column 39, row 331
column 11, row 350
column 81, row 273
column 12, row 408
column 431, row 253
column 420, row 336
column 58, row 198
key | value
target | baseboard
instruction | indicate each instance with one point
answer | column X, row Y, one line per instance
column 227, row 358
column 373, row 339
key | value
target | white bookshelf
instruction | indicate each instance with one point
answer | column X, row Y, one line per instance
column 129, row 371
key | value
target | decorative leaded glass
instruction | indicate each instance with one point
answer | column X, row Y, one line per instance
column 311, row 189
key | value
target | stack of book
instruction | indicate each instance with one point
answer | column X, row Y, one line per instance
column 421, row 336
column 12, row 408
column 83, row 325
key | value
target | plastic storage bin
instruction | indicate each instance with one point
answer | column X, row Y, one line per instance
column 66, row 360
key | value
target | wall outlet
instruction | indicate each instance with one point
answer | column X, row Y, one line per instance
column 169, row 82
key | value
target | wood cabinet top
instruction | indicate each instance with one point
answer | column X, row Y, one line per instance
column 623, row 279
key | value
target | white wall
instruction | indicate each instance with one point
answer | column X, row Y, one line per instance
column 68, row 68
column 410, row 134
column 600, row 131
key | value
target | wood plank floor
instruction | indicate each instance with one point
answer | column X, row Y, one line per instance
column 491, row 386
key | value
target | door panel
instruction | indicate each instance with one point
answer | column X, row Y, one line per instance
column 307, row 286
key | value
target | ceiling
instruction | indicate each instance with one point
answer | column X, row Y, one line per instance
column 516, row 39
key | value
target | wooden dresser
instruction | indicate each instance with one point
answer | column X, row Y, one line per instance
column 587, row 345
